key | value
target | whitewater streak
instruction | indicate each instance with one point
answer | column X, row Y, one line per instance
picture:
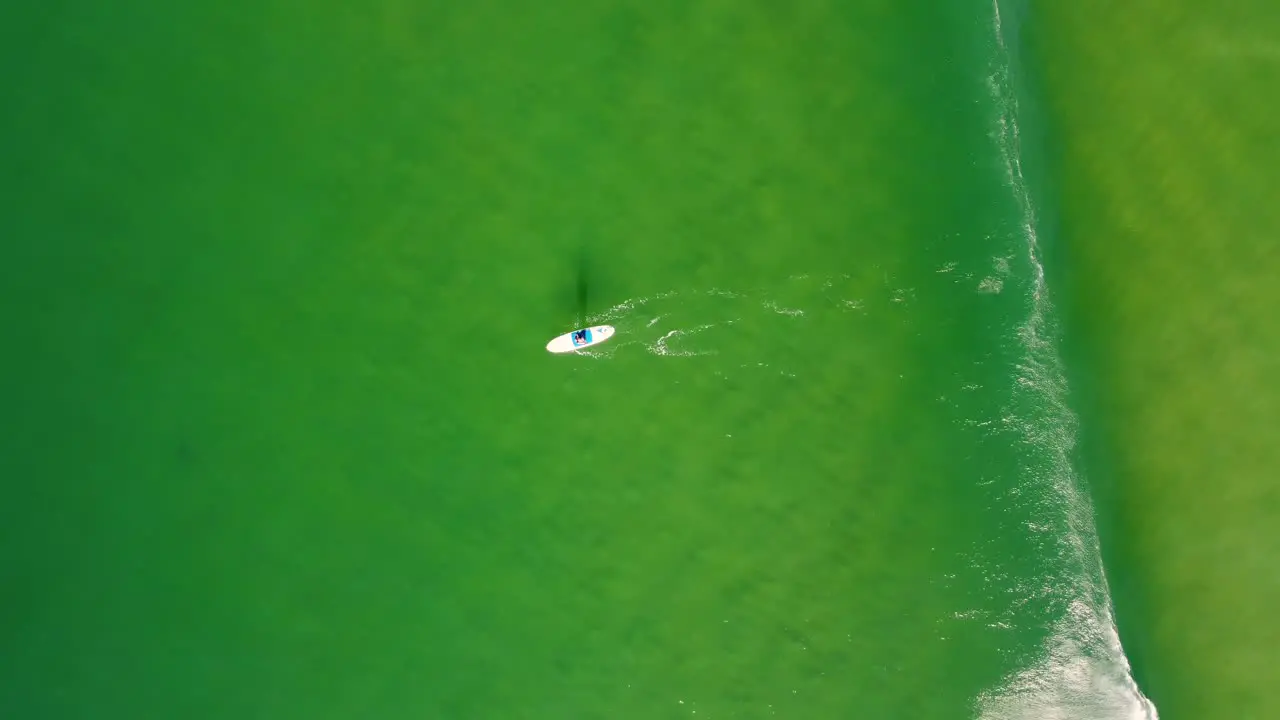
column 1081, row 671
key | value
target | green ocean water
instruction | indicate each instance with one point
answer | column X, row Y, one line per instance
column 282, row 439
column 1166, row 148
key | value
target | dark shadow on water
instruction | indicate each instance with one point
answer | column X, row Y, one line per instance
column 595, row 285
column 588, row 286
column 583, row 285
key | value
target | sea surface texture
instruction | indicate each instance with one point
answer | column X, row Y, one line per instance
column 282, row 440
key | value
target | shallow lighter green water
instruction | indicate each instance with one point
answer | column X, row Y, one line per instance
column 1167, row 141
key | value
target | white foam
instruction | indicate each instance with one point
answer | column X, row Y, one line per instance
column 662, row 348
column 637, row 315
column 1081, row 671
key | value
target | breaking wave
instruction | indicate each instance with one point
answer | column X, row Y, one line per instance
column 1081, row 671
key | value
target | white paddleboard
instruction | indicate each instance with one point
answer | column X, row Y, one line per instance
column 580, row 339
